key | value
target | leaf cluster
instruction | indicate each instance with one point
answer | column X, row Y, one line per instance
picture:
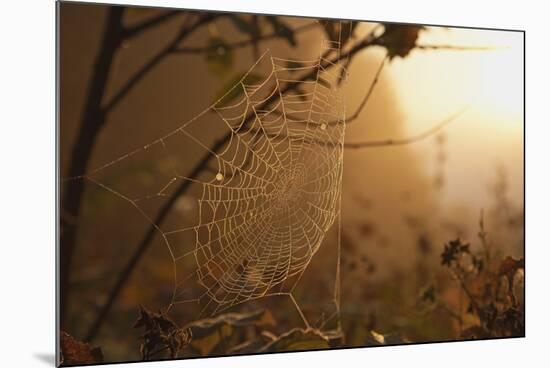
column 490, row 287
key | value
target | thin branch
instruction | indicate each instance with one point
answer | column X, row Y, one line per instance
column 149, row 23
column 460, row 48
column 155, row 60
column 377, row 143
column 245, row 43
column 91, row 121
column 403, row 141
column 374, row 82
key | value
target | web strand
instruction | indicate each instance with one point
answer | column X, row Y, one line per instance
column 263, row 215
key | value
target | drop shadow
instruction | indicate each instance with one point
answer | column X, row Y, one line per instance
column 47, row 358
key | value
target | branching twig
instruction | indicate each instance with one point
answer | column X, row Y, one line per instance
column 130, row 32
column 155, row 60
column 403, row 141
column 245, row 43
column 355, row 115
column 90, row 124
column 383, row 142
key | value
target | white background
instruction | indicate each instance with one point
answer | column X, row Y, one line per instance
column 28, row 162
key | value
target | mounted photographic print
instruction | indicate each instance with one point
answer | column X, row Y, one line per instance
column 235, row 183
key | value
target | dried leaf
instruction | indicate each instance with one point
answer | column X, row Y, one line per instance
column 160, row 334
column 75, row 352
column 452, row 250
column 399, row 39
column 508, row 267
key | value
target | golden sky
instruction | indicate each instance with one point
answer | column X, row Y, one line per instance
column 432, row 85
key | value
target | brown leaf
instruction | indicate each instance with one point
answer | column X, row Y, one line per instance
column 160, row 334
column 75, row 352
column 508, row 267
column 399, row 39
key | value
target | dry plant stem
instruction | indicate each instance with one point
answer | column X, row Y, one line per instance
column 483, row 237
column 458, row 276
column 304, row 319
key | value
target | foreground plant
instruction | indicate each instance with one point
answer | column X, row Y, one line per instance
column 493, row 288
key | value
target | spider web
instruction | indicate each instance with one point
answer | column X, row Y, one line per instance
column 272, row 189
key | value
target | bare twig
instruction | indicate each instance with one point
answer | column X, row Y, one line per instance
column 355, row 115
column 245, row 43
column 380, row 143
column 460, row 48
column 90, row 124
column 155, row 60
column 130, row 32
column 403, row 141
